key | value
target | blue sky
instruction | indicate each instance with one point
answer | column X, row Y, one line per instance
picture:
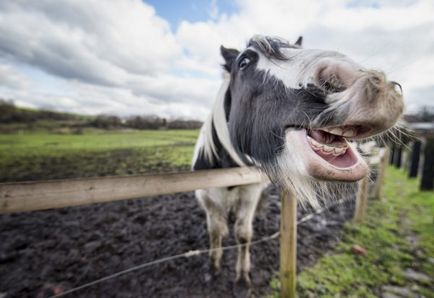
column 190, row 10
column 162, row 57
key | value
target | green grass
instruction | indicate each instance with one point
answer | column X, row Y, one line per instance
column 403, row 215
column 42, row 155
column 50, row 144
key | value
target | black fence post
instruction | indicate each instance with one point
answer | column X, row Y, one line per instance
column 397, row 157
column 427, row 181
column 392, row 154
column 414, row 159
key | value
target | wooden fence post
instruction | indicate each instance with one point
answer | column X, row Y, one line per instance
column 384, row 158
column 427, row 181
column 361, row 200
column 414, row 160
column 288, row 245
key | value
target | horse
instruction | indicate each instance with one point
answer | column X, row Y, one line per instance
column 294, row 113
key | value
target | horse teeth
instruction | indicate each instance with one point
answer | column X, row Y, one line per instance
column 336, row 131
column 349, row 133
column 327, row 149
column 315, row 143
column 339, row 151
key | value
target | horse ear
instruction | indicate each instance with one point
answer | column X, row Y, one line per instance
column 229, row 55
column 299, row 41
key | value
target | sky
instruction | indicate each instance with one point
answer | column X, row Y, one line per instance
column 129, row 57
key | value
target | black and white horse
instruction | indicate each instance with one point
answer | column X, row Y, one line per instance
column 290, row 111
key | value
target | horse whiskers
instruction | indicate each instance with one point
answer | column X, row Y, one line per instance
column 395, row 134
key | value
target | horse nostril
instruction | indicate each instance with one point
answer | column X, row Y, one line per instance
column 329, row 80
column 334, row 85
column 331, row 83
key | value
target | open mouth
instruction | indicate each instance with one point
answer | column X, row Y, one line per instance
column 331, row 145
column 327, row 153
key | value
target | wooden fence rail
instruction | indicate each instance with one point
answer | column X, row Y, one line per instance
column 29, row 196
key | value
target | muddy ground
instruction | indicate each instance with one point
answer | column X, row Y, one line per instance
column 61, row 249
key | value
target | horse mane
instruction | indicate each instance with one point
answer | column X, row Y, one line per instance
column 269, row 46
column 217, row 121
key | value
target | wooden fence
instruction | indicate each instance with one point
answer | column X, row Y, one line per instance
column 41, row 195
column 377, row 161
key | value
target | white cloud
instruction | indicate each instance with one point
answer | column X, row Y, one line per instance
column 92, row 99
column 73, row 38
column 10, row 78
column 121, row 57
column 123, row 45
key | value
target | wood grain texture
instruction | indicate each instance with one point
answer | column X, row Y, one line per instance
column 288, row 245
column 361, row 200
column 378, row 187
column 40, row 195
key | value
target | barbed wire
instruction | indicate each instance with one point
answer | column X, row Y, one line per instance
column 197, row 252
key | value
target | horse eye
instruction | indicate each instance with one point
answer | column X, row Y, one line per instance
column 243, row 62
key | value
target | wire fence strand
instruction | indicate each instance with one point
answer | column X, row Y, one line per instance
column 193, row 253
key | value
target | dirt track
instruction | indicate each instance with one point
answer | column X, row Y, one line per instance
column 60, row 249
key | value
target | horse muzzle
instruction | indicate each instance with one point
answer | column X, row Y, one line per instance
column 365, row 104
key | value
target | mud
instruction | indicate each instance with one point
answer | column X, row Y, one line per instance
column 47, row 252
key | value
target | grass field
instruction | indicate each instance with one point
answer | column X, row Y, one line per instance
column 43, row 155
column 398, row 235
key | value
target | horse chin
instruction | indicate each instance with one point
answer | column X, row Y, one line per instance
column 344, row 164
